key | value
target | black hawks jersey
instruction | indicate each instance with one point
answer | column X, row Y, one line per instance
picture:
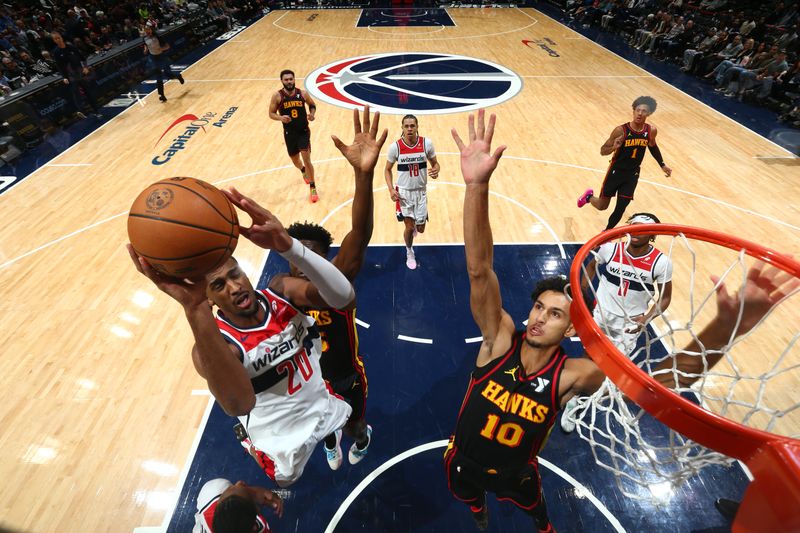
column 506, row 415
column 293, row 107
column 339, row 337
column 630, row 154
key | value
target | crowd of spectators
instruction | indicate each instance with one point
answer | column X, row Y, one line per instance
column 93, row 27
column 747, row 49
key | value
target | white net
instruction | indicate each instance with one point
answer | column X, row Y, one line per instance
column 752, row 380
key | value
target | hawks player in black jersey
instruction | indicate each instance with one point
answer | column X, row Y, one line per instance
column 522, row 378
column 289, row 107
column 341, row 361
column 627, row 142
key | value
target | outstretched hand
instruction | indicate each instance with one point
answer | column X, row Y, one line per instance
column 763, row 289
column 363, row 153
column 266, row 230
column 185, row 292
column 477, row 164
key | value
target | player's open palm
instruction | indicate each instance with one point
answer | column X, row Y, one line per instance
column 477, row 163
column 363, row 153
column 266, row 230
column 187, row 293
column 764, row 288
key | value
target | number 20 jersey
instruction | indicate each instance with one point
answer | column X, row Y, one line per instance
column 506, row 415
column 281, row 357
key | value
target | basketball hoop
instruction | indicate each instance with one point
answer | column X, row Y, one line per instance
column 772, row 500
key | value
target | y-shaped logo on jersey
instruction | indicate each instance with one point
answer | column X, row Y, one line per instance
column 540, row 384
column 417, row 82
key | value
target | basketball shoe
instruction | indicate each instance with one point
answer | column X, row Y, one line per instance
column 585, row 197
column 334, row 456
column 481, row 516
column 305, row 176
column 411, row 260
column 314, row 197
column 356, row 454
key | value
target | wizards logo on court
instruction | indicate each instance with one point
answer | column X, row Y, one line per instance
column 419, row 82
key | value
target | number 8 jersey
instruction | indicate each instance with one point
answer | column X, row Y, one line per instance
column 294, row 408
column 506, row 415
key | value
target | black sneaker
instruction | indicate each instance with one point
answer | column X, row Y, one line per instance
column 162, row 98
column 727, row 508
column 481, row 518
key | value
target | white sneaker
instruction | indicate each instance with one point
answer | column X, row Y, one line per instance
column 355, row 454
column 334, row 456
column 568, row 415
column 411, row 261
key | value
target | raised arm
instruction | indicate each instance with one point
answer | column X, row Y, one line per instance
column 325, row 287
column 362, row 156
column 477, row 165
column 212, row 356
column 613, row 142
column 763, row 289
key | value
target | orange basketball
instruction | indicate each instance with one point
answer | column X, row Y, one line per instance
column 184, row 227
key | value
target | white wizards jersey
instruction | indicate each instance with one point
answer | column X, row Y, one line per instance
column 412, row 162
column 627, row 283
column 281, row 357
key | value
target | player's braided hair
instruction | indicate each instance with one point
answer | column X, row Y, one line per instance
column 234, row 514
column 308, row 231
column 649, row 101
column 410, row 116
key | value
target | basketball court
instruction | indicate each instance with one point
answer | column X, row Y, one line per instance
column 107, row 427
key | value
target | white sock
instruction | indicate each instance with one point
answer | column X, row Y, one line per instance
column 409, row 250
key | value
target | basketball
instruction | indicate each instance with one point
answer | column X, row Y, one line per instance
column 184, row 227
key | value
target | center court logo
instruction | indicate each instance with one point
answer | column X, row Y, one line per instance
column 194, row 125
column 418, row 82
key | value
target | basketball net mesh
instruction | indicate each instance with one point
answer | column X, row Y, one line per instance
column 749, row 384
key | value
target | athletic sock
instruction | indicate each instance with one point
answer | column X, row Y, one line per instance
column 330, row 441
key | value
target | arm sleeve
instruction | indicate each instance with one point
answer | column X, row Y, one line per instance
column 333, row 286
column 210, row 490
column 391, row 154
column 663, row 272
column 656, row 153
column 604, row 253
column 430, row 153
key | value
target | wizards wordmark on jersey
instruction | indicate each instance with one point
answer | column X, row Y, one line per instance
column 418, row 82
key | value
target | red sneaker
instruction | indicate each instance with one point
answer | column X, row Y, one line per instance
column 314, row 196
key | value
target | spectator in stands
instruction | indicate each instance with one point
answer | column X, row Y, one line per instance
column 37, row 68
column 760, row 82
column 691, row 56
column 744, row 56
column 661, row 29
column 670, row 48
column 676, row 29
column 710, row 62
column 731, row 79
column 14, row 73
